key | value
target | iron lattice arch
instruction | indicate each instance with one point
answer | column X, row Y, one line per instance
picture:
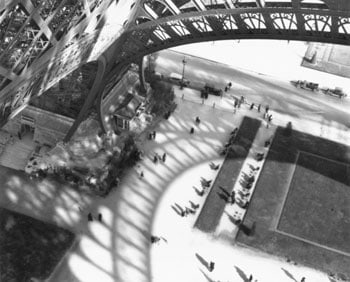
column 161, row 24
column 28, row 28
column 33, row 34
column 42, row 41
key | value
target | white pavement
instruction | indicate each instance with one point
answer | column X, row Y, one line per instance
column 119, row 249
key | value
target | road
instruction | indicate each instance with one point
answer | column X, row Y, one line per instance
column 280, row 94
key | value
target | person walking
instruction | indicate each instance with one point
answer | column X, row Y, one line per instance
column 155, row 159
column 302, row 279
column 267, row 109
column 100, row 217
column 141, row 174
column 164, row 157
column 154, row 134
column 250, row 278
column 259, row 108
column 232, row 197
column 90, row 218
column 154, row 239
column 211, row 266
column 192, row 130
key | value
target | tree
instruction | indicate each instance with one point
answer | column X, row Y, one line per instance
column 162, row 97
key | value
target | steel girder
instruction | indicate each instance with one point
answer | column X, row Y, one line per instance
column 330, row 26
column 41, row 41
column 45, row 40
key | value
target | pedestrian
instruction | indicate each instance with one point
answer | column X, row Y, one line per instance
column 154, row 239
column 154, row 134
column 141, row 174
column 250, row 278
column 211, row 266
column 90, row 218
column 259, row 108
column 100, row 217
column 19, row 135
column 232, row 197
column 302, row 279
column 164, row 157
column 150, row 136
column 252, row 106
column 267, row 109
column 198, row 120
column 270, row 118
column 192, row 130
column 155, row 158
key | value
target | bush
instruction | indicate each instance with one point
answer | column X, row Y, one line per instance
column 162, row 97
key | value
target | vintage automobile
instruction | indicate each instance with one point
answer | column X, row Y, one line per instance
column 177, row 78
column 305, row 85
column 338, row 92
column 210, row 89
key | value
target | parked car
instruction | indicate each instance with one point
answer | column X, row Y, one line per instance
column 305, row 85
column 211, row 89
column 177, row 79
column 338, row 92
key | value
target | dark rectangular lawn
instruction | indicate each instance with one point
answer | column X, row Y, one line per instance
column 300, row 206
column 30, row 248
column 318, row 203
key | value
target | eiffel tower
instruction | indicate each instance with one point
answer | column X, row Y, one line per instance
column 42, row 42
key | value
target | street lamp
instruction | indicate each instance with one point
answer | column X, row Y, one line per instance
column 184, row 62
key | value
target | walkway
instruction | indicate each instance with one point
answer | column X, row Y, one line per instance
column 119, row 249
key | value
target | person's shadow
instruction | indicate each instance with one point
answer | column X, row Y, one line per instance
column 207, row 277
column 202, row 261
column 242, row 274
column 290, row 275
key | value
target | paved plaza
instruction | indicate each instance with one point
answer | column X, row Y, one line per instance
column 119, row 248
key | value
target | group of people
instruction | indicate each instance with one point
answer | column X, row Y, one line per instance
column 185, row 211
column 152, row 135
column 230, row 142
column 228, row 86
column 197, row 121
column 91, row 218
column 158, row 157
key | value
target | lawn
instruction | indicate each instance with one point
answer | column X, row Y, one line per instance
column 214, row 205
column 303, row 195
column 30, row 248
column 317, row 208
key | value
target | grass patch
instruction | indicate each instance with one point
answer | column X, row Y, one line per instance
column 318, row 202
column 214, row 205
column 296, row 195
column 30, row 248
